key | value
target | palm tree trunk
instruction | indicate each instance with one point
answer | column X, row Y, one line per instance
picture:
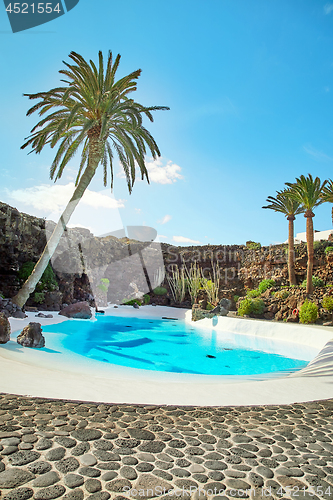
column 309, row 240
column 29, row 286
column 291, row 251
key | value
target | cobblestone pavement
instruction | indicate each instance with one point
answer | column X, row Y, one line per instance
column 72, row 450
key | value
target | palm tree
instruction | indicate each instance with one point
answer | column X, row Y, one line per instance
column 308, row 192
column 290, row 207
column 327, row 194
column 92, row 113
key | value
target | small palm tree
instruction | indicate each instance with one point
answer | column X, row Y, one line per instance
column 290, row 207
column 308, row 192
column 92, row 113
column 327, row 194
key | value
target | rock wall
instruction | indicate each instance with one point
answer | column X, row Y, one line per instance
column 82, row 260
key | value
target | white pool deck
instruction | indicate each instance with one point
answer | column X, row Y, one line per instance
column 53, row 372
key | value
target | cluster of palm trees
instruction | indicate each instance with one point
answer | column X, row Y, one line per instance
column 302, row 196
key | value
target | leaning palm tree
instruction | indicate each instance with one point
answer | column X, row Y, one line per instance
column 308, row 192
column 91, row 113
column 327, row 194
column 290, row 207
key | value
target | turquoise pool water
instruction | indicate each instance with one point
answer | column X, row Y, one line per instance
column 175, row 346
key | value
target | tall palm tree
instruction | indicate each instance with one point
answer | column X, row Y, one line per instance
column 327, row 194
column 290, row 207
column 92, row 113
column 308, row 192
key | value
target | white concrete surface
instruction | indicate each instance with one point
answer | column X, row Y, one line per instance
column 54, row 372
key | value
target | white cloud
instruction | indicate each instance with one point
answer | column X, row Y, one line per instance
column 163, row 173
column 165, row 219
column 162, row 236
column 138, row 210
column 182, row 239
column 53, row 198
column 160, row 171
column 328, row 8
column 316, row 154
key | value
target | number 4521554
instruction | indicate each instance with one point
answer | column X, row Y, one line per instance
column 32, row 8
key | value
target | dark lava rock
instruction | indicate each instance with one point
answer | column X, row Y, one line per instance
column 19, row 494
column 80, row 310
column 55, row 454
column 39, row 467
column 101, row 495
column 93, row 485
column 73, row 480
column 118, row 485
column 23, row 457
column 4, row 329
column 86, row 434
column 129, row 461
column 89, row 471
column 152, row 447
column 67, row 465
column 46, row 479
column 66, row 442
column 144, row 467
column 128, row 472
column 80, row 449
column 49, row 493
column 140, row 434
column 102, row 444
column 76, row 494
column 108, row 476
column 31, row 336
column 215, row 465
column 11, row 478
column 162, row 474
column 44, row 444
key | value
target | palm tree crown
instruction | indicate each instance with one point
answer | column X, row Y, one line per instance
column 94, row 112
column 327, row 194
column 307, row 191
column 285, row 204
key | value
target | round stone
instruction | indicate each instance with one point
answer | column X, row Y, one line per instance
column 152, row 446
column 25, row 446
column 255, row 479
column 109, row 465
column 93, row 485
column 196, row 468
column 180, row 472
column 55, row 454
column 23, row 457
column 67, row 465
column 234, row 473
column 102, row 444
column 215, row 475
column 73, row 480
column 49, row 493
column 144, row 467
column 88, row 460
column 66, row 442
column 39, row 467
column 29, row 438
column 237, row 484
column 108, row 476
column 162, row 474
column 201, row 478
column 118, row 485
column 46, row 479
column 19, row 494
column 86, row 434
column 80, row 449
column 215, row 465
column 14, row 441
column 101, row 495
column 129, row 460
column 128, row 472
column 141, row 434
column 89, row 471
column 9, row 450
column 44, row 444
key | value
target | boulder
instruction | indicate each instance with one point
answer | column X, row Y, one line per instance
column 4, row 329
column 31, row 336
column 80, row 310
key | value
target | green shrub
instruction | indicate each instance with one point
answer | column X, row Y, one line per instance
column 253, row 293
column 245, row 307
column 308, row 312
column 315, row 281
column 48, row 280
column 146, row 299
column 317, row 245
column 160, row 290
column 2, row 296
column 252, row 245
column 104, row 285
column 132, row 302
column 209, row 306
column 236, row 297
column 258, row 306
column 328, row 250
column 251, row 306
column 327, row 303
column 265, row 285
column 39, row 297
column 281, row 294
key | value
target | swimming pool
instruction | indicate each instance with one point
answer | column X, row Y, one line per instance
column 171, row 345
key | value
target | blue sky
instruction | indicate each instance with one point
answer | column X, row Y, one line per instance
column 250, row 87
